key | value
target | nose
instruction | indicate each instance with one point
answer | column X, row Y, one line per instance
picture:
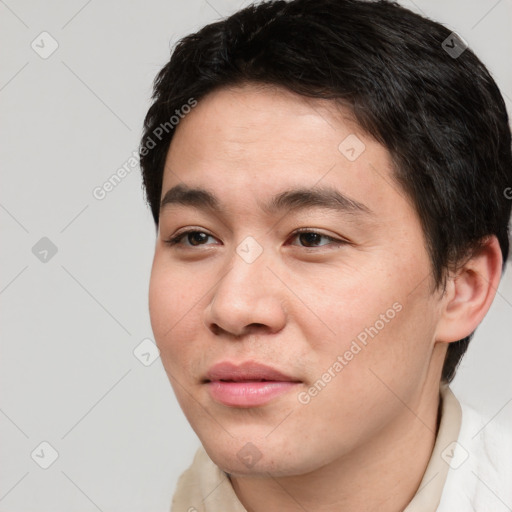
column 248, row 298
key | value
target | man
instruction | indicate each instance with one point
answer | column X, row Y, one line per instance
column 328, row 180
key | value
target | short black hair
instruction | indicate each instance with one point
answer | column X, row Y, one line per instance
column 438, row 112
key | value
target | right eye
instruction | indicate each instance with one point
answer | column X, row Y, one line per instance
column 193, row 236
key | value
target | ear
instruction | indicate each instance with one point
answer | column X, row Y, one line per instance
column 470, row 292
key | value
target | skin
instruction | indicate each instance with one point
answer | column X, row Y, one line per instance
column 297, row 308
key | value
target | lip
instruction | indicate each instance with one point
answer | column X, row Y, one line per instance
column 248, row 384
column 248, row 370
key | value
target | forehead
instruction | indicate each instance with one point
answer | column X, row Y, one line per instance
column 262, row 141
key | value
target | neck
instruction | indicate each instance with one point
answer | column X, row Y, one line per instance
column 382, row 475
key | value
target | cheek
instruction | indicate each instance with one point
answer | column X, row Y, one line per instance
column 374, row 320
column 390, row 350
column 162, row 302
column 176, row 303
column 356, row 384
column 343, row 302
column 170, row 303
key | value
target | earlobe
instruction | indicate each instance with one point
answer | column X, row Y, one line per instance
column 470, row 292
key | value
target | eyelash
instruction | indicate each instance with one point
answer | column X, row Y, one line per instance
column 175, row 240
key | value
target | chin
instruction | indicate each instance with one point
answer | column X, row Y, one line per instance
column 260, row 457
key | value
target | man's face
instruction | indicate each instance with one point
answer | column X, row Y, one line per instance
column 344, row 309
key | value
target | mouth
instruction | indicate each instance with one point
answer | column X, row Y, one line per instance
column 249, row 384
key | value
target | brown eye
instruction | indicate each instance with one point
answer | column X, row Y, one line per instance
column 194, row 238
column 312, row 239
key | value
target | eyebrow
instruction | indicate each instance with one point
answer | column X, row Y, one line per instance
column 324, row 197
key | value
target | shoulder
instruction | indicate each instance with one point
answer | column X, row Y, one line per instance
column 480, row 473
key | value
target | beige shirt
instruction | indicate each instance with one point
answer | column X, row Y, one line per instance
column 204, row 487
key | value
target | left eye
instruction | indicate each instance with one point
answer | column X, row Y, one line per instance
column 312, row 238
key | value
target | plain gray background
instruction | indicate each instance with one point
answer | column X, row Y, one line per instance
column 72, row 320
